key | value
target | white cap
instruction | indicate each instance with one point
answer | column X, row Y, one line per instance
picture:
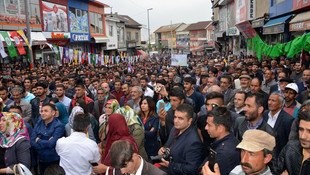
column 292, row 86
column 215, row 60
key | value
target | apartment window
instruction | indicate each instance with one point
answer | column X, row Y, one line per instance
column 110, row 30
column 96, row 23
column 137, row 36
column 120, row 34
column 128, row 35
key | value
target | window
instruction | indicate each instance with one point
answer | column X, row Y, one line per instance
column 110, row 30
column 128, row 35
column 137, row 36
column 120, row 34
column 275, row 2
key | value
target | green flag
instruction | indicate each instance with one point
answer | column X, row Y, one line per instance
column 94, row 59
column 9, row 44
column 56, row 51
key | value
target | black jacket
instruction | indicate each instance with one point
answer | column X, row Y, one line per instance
column 290, row 159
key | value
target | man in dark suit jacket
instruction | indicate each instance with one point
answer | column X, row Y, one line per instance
column 279, row 120
column 125, row 159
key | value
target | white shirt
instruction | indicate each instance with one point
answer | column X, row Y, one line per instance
column 66, row 101
column 149, row 92
column 238, row 112
column 139, row 171
column 153, row 85
column 272, row 120
column 76, row 152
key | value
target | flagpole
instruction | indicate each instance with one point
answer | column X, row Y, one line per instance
column 28, row 30
column 171, row 40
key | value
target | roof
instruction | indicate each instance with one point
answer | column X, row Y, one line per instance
column 199, row 25
column 182, row 27
column 128, row 20
column 99, row 3
column 167, row 28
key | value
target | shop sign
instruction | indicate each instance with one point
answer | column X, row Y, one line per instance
column 300, row 26
column 75, row 37
column 58, row 42
column 258, row 23
column 79, row 28
column 273, row 29
column 16, row 19
column 298, row 4
column 219, row 34
column 246, row 29
column 232, row 31
column 241, row 9
column 251, row 10
column 56, row 35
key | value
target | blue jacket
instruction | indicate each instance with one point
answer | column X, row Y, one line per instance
column 228, row 156
column 186, row 150
column 45, row 147
column 151, row 144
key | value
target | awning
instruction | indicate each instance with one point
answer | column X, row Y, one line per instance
column 258, row 23
column 100, row 39
column 300, row 22
column 275, row 26
column 219, row 34
column 37, row 38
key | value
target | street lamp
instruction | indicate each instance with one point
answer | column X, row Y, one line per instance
column 148, row 23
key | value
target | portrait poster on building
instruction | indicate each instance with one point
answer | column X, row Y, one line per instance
column 179, row 60
column 55, row 18
column 78, row 21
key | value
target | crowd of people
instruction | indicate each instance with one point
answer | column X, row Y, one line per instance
column 218, row 115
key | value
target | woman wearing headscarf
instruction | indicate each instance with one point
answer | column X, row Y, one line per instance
column 110, row 107
column 77, row 110
column 117, row 130
column 14, row 143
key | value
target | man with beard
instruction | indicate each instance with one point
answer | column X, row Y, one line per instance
column 126, row 90
column 60, row 94
column 153, row 81
column 253, row 116
column 226, row 85
column 99, row 103
column 291, row 106
column 117, row 92
column 38, row 102
column 4, row 93
column 256, row 152
column 295, row 156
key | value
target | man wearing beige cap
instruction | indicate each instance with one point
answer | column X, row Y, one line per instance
column 245, row 83
column 256, row 152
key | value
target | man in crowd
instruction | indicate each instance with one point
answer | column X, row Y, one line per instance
column 109, row 95
column 245, row 83
column 126, row 88
column 124, row 158
column 45, row 135
column 256, row 87
column 256, row 152
column 4, row 95
column 189, row 84
column 152, row 83
column 269, row 81
column 295, row 156
column 117, row 92
column 279, row 120
column 226, row 85
column 239, row 104
column 147, row 91
column 26, row 107
column 219, row 123
column 60, row 94
column 77, row 152
column 80, row 94
column 136, row 95
column 297, row 73
column 291, row 106
column 38, row 102
column 253, row 116
column 184, row 144
column 99, row 103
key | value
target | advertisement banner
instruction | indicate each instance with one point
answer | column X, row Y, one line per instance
column 179, row 60
column 55, row 17
column 241, row 13
column 299, row 4
column 79, row 28
column 19, row 45
column 9, row 44
column 246, row 29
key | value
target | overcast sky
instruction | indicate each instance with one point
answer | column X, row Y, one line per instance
column 164, row 11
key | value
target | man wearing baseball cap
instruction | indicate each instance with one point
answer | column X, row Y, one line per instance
column 291, row 106
column 256, row 152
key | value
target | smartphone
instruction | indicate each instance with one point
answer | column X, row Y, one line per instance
column 94, row 164
column 161, row 105
column 212, row 159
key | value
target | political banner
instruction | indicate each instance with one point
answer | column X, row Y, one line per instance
column 9, row 44
column 179, row 60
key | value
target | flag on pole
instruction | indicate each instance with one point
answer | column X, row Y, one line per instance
column 61, row 51
column 70, row 55
column 80, row 57
column 9, row 44
column 19, row 45
column 22, row 34
column 2, row 52
column 56, row 51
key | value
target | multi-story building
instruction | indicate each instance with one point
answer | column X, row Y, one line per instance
column 182, row 40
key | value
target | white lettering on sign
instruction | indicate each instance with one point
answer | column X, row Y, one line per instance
column 304, row 2
column 297, row 26
column 79, row 37
column 251, row 9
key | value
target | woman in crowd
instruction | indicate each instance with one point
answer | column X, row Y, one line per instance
column 14, row 143
column 117, row 130
column 61, row 113
column 150, row 121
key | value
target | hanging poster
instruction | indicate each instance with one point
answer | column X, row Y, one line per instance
column 19, row 45
column 9, row 44
column 55, row 17
column 79, row 28
column 179, row 60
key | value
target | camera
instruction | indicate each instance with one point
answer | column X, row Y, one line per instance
column 157, row 89
column 167, row 156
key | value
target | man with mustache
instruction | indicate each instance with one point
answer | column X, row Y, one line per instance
column 256, row 152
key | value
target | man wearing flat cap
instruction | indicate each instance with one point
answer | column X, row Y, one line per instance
column 256, row 152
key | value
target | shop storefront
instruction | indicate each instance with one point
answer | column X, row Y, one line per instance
column 300, row 24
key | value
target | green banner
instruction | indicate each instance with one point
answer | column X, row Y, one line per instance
column 9, row 44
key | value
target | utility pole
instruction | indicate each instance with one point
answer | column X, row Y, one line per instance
column 148, row 23
column 28, row 30
column 171, row 39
